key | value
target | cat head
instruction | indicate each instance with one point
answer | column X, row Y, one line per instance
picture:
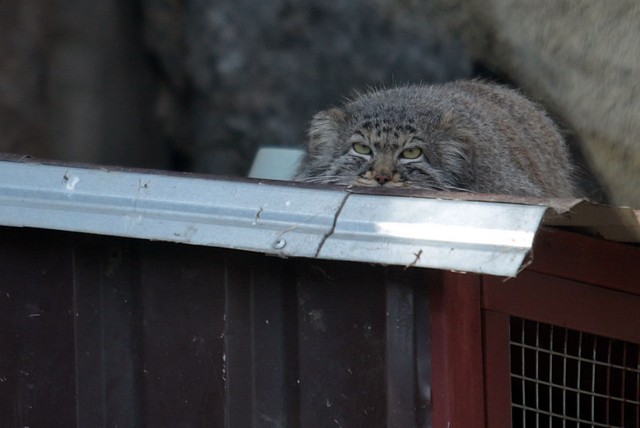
column 387, row 144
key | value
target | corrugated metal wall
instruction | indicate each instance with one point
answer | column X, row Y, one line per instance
column 101, row 331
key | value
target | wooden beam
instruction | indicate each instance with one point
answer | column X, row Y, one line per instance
column 457, row 359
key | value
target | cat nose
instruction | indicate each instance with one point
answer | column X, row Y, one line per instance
column 382, row 178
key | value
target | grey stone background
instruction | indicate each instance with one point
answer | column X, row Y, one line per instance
column 256, row 71
column 200, row 84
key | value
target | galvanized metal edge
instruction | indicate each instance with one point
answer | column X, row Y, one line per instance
column 467, row 236
column 289, row 221
column 238, row 215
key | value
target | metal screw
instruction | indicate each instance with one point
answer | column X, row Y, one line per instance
column 279, row 244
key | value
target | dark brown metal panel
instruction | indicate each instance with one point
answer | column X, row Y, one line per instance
column 37, row 366
column 101, row 331
column 423, row 360
column 407, row 350
column 238, row 374
column 567, row 303
column 274, row 341
column 182, row 295
column 260, row 341
column 457, row 359
column 497, row 369
column 88, row 308
column 342, row 367
column 358, row 352
column 107, row 332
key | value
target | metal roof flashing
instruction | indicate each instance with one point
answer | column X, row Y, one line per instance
column 286, row 219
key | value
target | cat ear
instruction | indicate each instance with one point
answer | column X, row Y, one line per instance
column 324, row 131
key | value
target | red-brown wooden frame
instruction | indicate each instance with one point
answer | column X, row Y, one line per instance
column 574, row 281
column 456, row 344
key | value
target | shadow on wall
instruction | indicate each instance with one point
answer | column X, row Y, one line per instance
column 199, row 84
column 75, row 84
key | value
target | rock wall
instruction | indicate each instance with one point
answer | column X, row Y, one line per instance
column 580, row 59
column 256, row 71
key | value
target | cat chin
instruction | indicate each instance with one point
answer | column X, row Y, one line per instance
column 364, row 182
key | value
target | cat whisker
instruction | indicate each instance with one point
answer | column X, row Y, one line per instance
column 328, row 179
column 359, row 181
column 454, row 189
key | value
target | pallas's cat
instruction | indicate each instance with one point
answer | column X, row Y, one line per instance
column 459, row 136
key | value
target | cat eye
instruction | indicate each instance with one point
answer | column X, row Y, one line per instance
column 411, row 153
column 361, row 149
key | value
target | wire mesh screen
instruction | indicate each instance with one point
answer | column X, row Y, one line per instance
column 567, row 378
